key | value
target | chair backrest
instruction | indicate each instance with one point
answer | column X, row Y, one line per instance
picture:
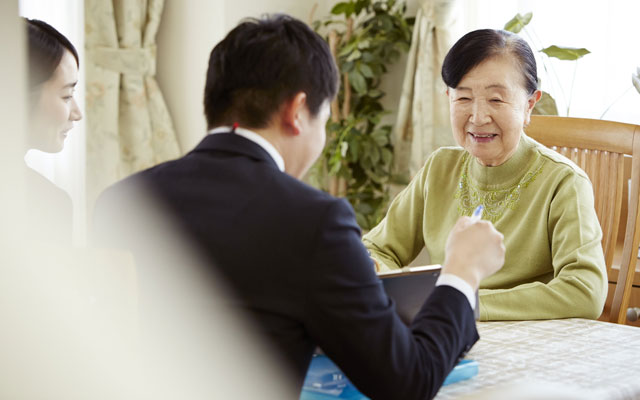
column 609, row 152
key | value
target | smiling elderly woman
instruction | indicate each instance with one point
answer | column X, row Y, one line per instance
column 539, row 200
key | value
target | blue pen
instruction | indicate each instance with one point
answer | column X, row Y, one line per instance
column 477, row 214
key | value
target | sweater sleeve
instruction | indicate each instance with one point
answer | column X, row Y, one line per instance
column 579, row 284
column 398, row 238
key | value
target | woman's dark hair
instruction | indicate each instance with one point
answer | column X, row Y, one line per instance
column 262, row 63
column 46, row 46
column 477, row 46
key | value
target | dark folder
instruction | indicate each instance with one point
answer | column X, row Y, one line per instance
column 409, row 287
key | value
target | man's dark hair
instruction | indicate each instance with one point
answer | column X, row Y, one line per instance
column 477, row 46
column 263, row 63
column 46, row 46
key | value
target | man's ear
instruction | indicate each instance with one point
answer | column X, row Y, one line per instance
column 293, row 112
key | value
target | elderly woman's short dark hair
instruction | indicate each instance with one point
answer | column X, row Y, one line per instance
column 480, row 45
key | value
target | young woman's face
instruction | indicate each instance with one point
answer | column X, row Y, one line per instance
column 56, row 108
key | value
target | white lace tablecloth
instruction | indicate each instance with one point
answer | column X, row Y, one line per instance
column 600, row 358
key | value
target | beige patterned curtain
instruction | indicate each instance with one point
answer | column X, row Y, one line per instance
column 128, row 125
column 423, row 115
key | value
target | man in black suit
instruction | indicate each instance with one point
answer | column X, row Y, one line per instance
column 292, row 253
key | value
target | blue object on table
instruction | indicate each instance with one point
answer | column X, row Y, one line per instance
column 325, row 381
column 465, row 369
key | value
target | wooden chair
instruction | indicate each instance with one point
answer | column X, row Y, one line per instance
column 609, row 152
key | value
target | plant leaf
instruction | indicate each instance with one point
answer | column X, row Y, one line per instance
column 518, row 22
column 375, row 93
column 361, row 220
column 344, row 147
column 545, row 106
column 343, row 8
column 366, row 71
column 347, row 49
column 368, row 57
column 635, row 78
column 359, row 6
column 347, row 66
column 353, row 146
column 380, row 137
column 354, row 56
column 375, row 155
column 363, row 44
column 387, row 24
column 387, row 155
column 358, row 82
column 366, row 208
column 335, row 168
column 565, row 53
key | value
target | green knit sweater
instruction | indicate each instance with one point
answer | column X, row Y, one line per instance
column 539, row 200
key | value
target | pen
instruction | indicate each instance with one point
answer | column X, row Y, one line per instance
column 477, row 214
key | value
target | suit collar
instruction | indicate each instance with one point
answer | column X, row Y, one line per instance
column 254, row 137
column 233, row 143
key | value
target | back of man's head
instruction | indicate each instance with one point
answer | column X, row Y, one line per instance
column 261, row 64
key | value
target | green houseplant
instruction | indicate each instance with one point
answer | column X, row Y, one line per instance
column 365, row 37
column 546, row 105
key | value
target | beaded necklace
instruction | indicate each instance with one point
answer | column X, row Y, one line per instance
column 495, row 202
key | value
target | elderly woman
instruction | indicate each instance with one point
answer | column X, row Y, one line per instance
column 539, row 200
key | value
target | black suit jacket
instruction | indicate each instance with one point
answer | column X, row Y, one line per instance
column 294, row 256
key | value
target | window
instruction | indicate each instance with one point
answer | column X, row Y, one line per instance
column 609, row 29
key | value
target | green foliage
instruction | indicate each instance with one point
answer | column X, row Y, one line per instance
column 518, row 22
column 565, row 53
column 359, row 148
column 546, row 105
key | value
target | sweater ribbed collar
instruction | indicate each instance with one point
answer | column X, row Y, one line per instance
column 506, row 174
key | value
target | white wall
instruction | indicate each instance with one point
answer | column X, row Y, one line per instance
column 188, row 32
column 299, row 9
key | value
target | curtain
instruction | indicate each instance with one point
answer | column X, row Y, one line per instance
column 128, row 124
column 422, row 123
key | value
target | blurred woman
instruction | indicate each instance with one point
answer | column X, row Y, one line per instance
column 53, row 75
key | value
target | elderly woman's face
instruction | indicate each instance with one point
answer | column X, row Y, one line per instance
column 489, row 110
column 56, row 108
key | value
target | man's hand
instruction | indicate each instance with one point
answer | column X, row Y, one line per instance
column 474, row 250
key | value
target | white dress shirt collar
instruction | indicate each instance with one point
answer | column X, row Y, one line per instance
column 257, row 139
